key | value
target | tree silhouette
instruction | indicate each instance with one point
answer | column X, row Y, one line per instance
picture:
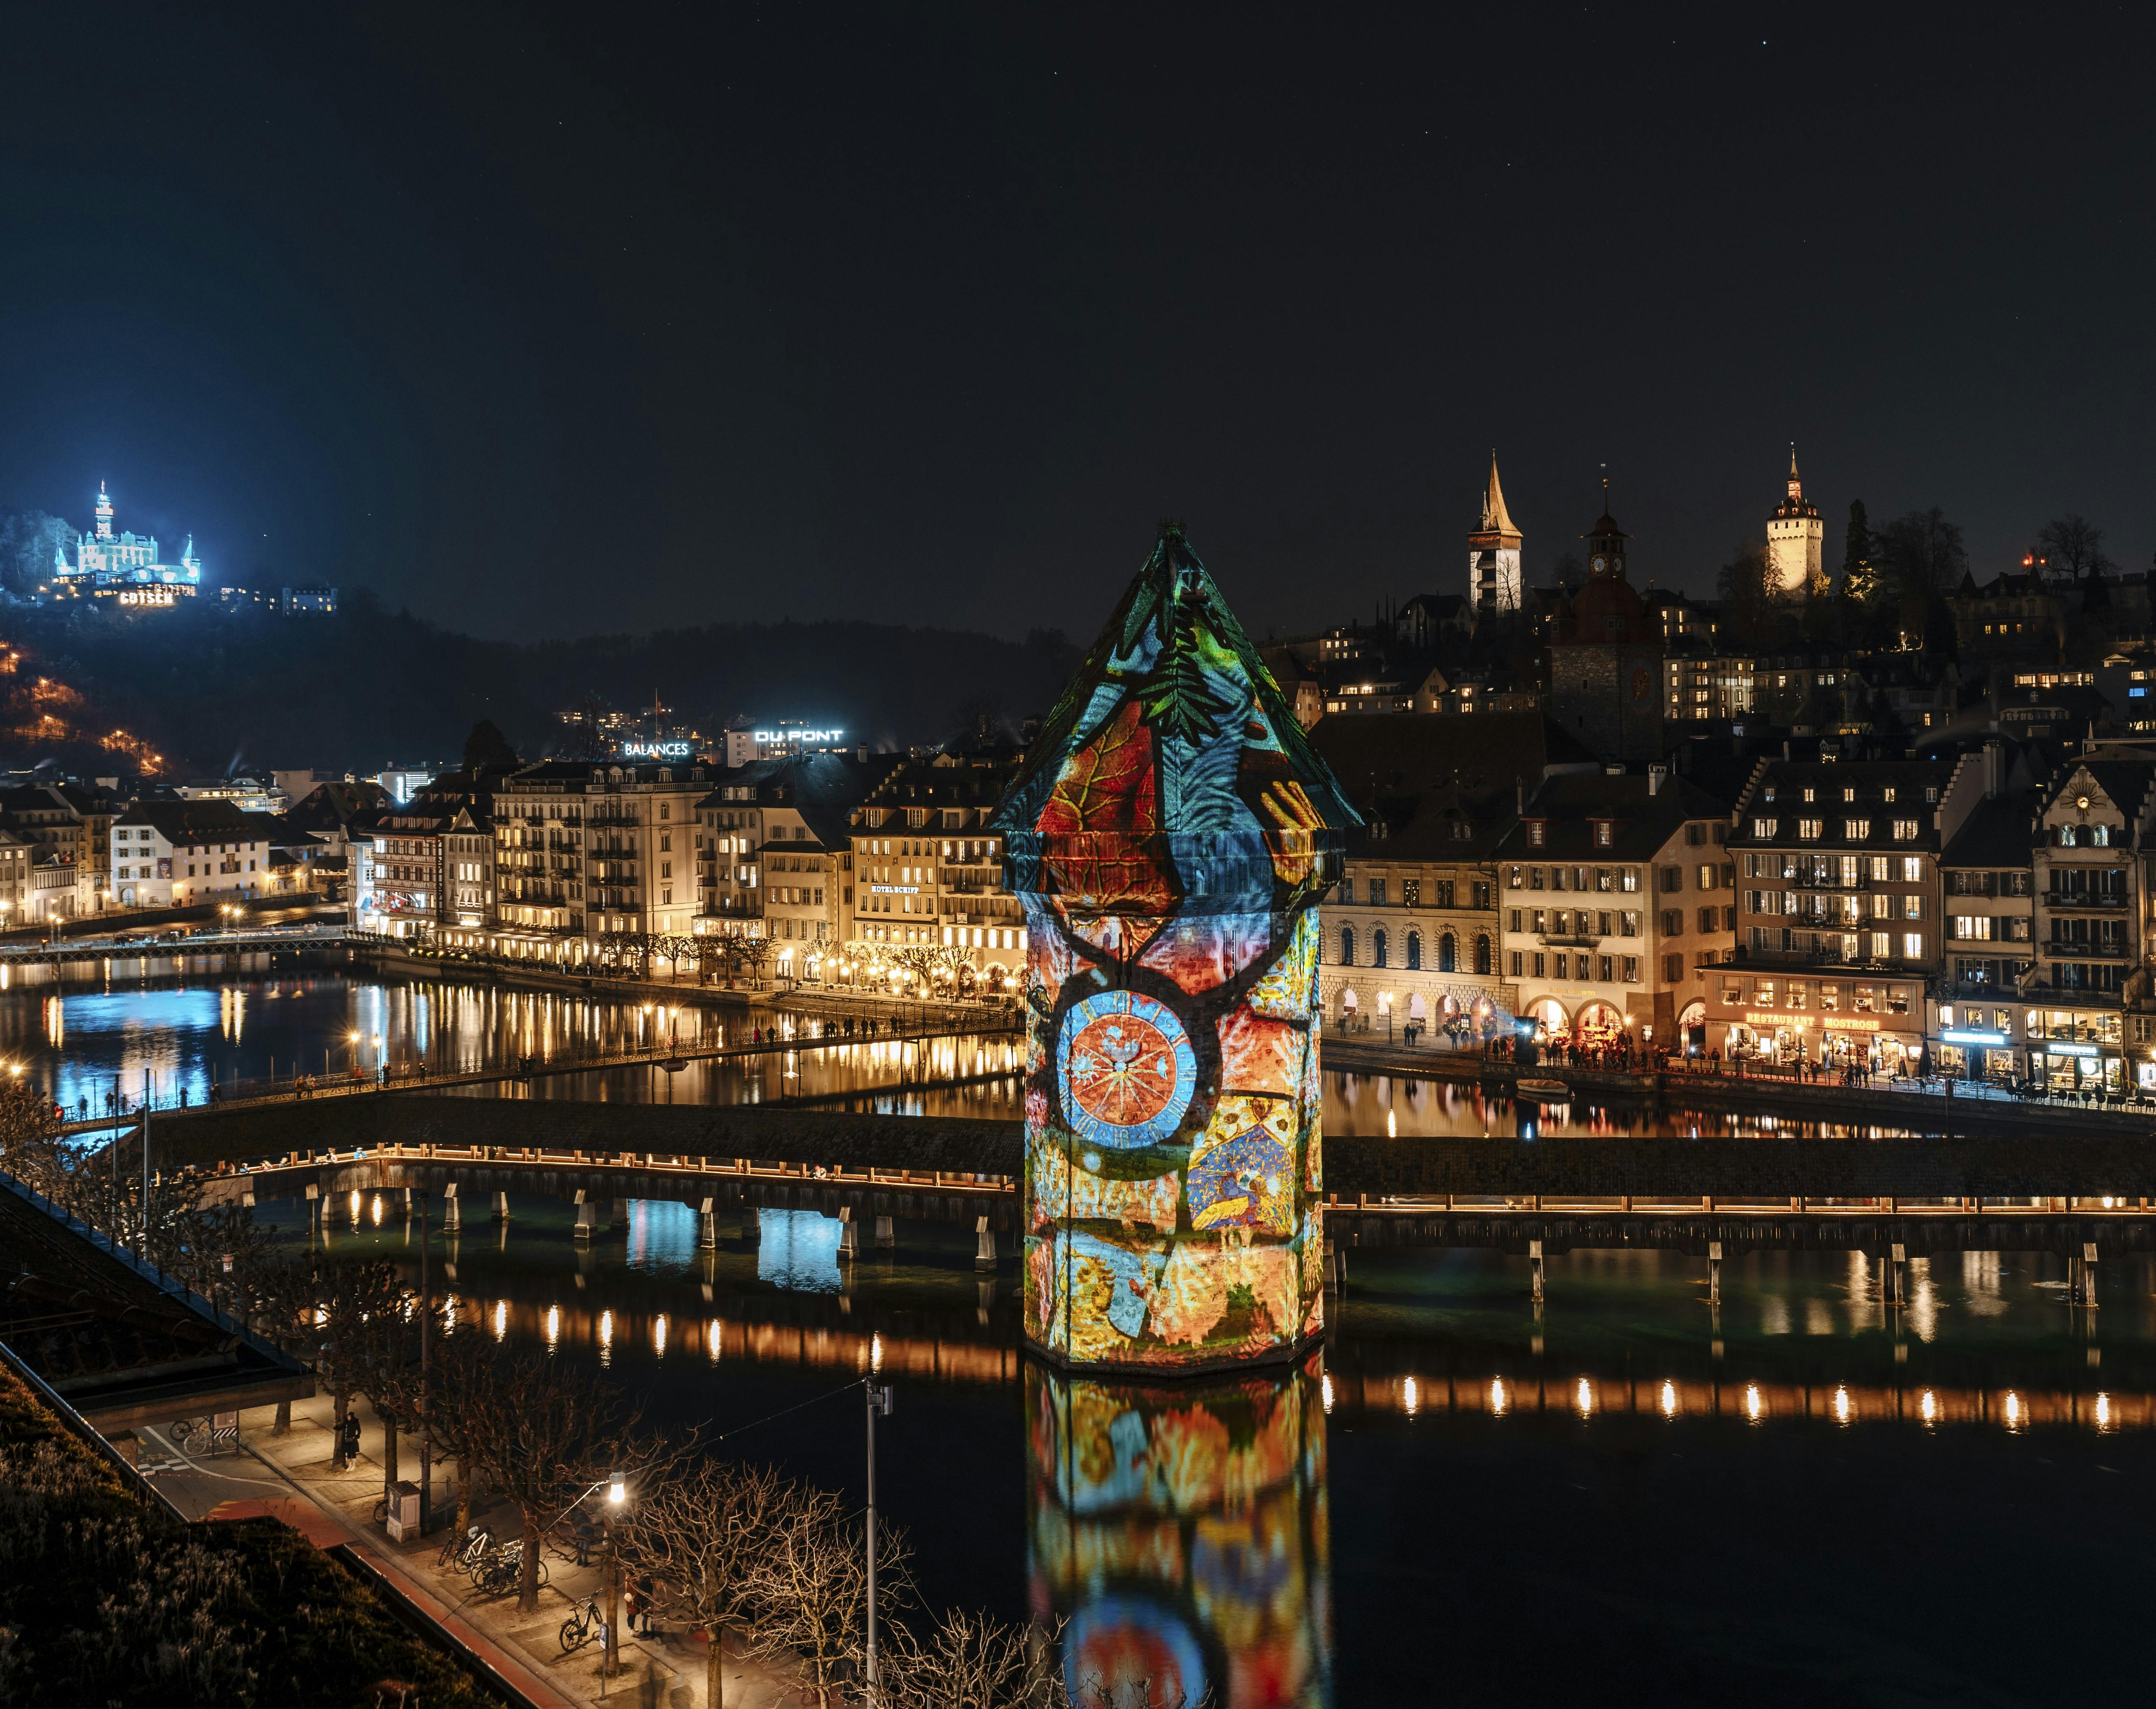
column 487, row 749
column 2070, row 546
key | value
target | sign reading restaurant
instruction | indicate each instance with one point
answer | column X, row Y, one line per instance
column 1833, row 1023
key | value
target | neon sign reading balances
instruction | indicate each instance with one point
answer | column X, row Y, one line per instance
column 657, row 749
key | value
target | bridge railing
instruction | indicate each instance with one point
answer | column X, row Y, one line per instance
column 543, row 1157
column 1737, row 1205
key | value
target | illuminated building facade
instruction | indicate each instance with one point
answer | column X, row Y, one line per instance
column 1838, row 912
column 1169, row 836
column 123, row 568
column 584, row 852
column 1617, row 907
column 928, row 867
column 177, row 854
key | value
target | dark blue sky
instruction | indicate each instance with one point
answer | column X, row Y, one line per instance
column 549, row 323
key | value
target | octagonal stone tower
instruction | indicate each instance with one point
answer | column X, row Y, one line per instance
column 1170, row 834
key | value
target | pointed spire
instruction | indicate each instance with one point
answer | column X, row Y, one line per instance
column 1494, row 518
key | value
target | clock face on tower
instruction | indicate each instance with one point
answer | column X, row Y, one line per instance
column 1128, row 1071
column 1601, row 563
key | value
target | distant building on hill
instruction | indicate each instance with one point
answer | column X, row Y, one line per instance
column 123, row 568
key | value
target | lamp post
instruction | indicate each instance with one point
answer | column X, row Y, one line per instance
column 617, row 1495
column 879, row 1401
column 426, row 1340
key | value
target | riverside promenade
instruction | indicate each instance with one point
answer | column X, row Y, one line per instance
column 1933, row 1106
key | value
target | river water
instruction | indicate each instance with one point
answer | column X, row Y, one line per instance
column 1800, row 1495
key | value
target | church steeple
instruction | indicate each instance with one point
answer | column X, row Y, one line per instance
column 1494, row 518
column 103, row 513
column 1493, row 553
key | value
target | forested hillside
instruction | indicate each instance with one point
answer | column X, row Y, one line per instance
column 205, row 688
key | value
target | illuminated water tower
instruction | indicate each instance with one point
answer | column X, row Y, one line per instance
column 1170, row 835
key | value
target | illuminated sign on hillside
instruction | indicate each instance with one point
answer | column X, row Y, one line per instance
column 657, row 749
column 146, row 596
column 774, row 738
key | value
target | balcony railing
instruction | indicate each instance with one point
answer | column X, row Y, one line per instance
column 2069, row 950
column 2082, row 899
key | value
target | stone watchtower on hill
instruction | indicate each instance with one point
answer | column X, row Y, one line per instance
column 1794, row 534
column 1493, row 556
column 1606, row 658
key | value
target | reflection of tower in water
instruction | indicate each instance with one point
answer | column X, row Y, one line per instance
column 1180, row 1531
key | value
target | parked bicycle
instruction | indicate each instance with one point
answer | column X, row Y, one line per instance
column 582, row 1627
column 498, row 1574
column 208, row 1436
column 466, row 1553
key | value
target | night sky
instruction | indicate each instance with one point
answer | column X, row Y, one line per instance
column 555, row 323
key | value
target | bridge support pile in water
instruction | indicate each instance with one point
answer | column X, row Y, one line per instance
column 1170, row 836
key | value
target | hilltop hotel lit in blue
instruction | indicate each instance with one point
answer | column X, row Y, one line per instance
column 123, row 568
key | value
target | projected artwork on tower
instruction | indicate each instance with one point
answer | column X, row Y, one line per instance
column 1170, row 836
column 1180, row 1531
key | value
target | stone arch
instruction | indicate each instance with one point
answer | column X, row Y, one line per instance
column 1599, row 1019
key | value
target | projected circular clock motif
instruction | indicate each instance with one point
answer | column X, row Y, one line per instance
column 1126, row 1068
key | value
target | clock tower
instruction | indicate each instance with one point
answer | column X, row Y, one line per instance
column 1606, row 657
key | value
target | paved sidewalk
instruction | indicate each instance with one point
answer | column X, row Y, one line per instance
column 293, row 1478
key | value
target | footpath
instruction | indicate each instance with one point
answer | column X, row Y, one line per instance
column 294, row 1478
column 1924, row 1105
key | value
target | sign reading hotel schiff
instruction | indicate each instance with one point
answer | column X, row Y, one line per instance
column 1170, row 836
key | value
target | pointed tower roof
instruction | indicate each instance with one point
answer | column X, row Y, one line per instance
column 1496, row 519
column 1173, row 766
column 1794, row 504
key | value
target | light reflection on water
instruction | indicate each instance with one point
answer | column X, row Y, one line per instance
column 96, row 1030
column 1184, row 1531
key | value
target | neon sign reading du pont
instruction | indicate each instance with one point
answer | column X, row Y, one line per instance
column 778, row 738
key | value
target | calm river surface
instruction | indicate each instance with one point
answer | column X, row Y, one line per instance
column 1800, row 1497
column 181, row 1026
